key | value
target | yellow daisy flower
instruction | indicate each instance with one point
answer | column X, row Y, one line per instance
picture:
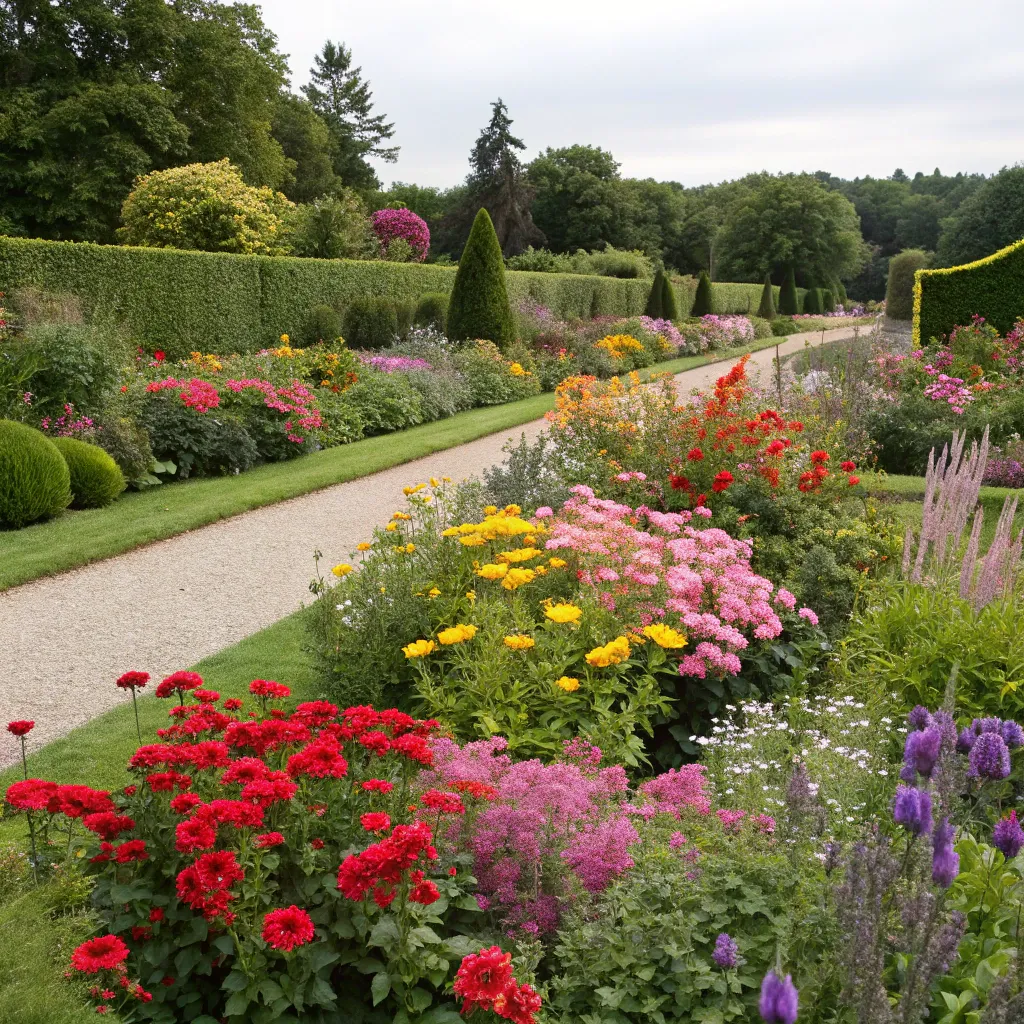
column 519, row 642
column 515, row 578
column 342, row 570
column 419, row 648
column 612, row 653
column 563, row 613
column 665, row 636
column 456, row 634
column 492, row 571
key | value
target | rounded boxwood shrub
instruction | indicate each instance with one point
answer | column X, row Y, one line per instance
column 479, row 307
column 370, row 322
column 96, row 479
column 432, row 311
column 899, row 291
column 322, row 324
column 34, row 478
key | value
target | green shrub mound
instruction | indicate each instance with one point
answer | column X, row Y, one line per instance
column 669, row 306
column 703, row 301
column 812, row 301
column 96, row 479
column 789, row 302
column 656, row 296
column 828, row 300
column 370, row 323
column 432, row 311
column 323, row 324
column 766, row 307
column 478, row 307
column 840, row 290
column 34, row 479
column 899, row 291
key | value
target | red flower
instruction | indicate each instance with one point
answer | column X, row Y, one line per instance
column 268, row 839
column 133, row 849
column 678, row 483
column 156, row 914
column 425, row 892
column 268, row 688
column 154, row 755
column 479, row 790
column 265, row 792
column 179, row 682
column 74, row 801
column 218, row 870
column 130, row 790
column 518, row 1003
column 446, row 803
column 722, row 481
column 184, row 802
column 133, row 680
column 245, row 770
column 31, row 794
column 105, row 953
column 159, row 356
column 378, row 785
column 232, row 704
column 482, row 977
column 385, row 861
column 206, row 696
column 453, row 871
column 106, row 849
column 414, row 747
column 317, row 844
column 848, row 467
column 819, row 457
column 139, row 932
column 208, row 754
column 287, row 928
column 854, row 480
column 695, row 455
column 194, row 834
column 315, row 712
column 21, row 727
column 166, row 782
column 376, row 742
column 107, row 824
column 319, row 759
column 375, row 821
column 775, row 448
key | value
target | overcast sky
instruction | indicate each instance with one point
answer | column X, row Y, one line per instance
column 685, row 90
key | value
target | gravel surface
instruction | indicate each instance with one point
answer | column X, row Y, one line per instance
column 66, row 638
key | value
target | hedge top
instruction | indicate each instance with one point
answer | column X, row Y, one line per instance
column 992, row 287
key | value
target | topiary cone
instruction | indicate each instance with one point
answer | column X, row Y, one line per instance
column 766, row 308
column 812, row 301
column 479, row 307
column 656, row 298
column 789, row 304
column 669, row 306
column 703, row 301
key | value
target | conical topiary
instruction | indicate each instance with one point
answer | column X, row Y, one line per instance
column 703, row 301
column 828, row 300
column 789, row 304
column 656, row 298
column 840, row 291
column 812, row 301
column 766, row 309
column 479, row 307
column 669, row 306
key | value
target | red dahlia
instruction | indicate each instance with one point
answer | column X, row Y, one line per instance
column 21, row 727
column 31, row 794
column 133, row 680
column 375, row 821
column 105, row 953
column 287, row 928
column 482, row 977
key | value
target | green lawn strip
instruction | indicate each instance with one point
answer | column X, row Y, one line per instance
column 138, row 518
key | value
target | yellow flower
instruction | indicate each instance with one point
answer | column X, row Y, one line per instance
column 412, row 490
column 471, row 594
column 410, row 548
column 452, row 531
column 472, row 542
column 513, row 510
column 518, row 555
column 419, row 649
column 427, row 499
column 516, row 369
column 363, row 546
column 665, row 636
column 541, row 570
column 517, row 577
column 567, row 683
column 557, row 563
column 563, row 613
column 491, row 571
column 490, row 510
column 612, row 653
column 434, row 482
column 342, row 570
column 391, row 527
column 284, row 339
column 400, row 515
column 519, row 642
column 456, row 634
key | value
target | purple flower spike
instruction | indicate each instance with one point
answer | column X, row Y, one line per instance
column 990, row 757
column 919, row 717
column 725, row 952
column 943, row 721
column 913, row 810
column 1008, row 836
column 779, row 1003
column 1013, row 734
column 922, row 750
column 945, row 860
column 965, row 741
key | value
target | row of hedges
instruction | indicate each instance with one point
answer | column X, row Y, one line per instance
column 728, row 297
column 183, row 301
column 992, row 287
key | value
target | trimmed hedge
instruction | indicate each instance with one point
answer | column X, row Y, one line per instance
column 992, row 287
column 216, row 302
column 899, row 289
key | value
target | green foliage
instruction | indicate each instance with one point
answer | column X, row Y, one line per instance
column 331, row 227
column 828, row 301
column 669, row 306
column 782, row 327
column 127, row 443
column 490, row 377
column 479, row 306
column 371, row 323
column 812, row 302
column 96, row 479
column 991, row 218
column 323, row 324
column 766, row 307
column 656, row 298
column 385, row 402
column 203, row 206
column 992, row 288
column 307, row 143
column 789, row 303
column 34, row 478
column 840, row 290
column 899, row 292
column 432, row 311
column 703, row 301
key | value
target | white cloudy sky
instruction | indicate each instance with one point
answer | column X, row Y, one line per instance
column 690, row 90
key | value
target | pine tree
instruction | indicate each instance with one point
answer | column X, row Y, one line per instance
column 656, row 297
column 669, row 306
column 344, row 101
column 766, row 309
column 703, row 301
column 789, row 304
column 478, row 307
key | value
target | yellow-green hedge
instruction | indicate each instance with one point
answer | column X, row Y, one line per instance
column 992, row 287
column 214, row 302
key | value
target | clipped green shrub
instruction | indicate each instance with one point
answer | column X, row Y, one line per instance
column 405, row 311
column 479, row 306
column 703, row 301
column 766, row 307
column 323, row 324
column 812, row 301
column 669, row 306
column 789, row 303
column 370, row 323
column 96, row 479
column 840, row 290
column 828, row 301
column 432, row 311
column 899, row 291
column 656, row 296
column 783, row 326
column 35, row 482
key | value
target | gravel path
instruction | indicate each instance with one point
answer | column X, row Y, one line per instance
column 64, row 639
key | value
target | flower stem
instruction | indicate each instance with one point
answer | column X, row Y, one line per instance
column 135, row 705
column 24, row 760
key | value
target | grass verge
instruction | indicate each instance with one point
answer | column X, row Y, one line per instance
column 77, row 538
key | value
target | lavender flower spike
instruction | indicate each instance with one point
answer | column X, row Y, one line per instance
column 912, row 809
column 990, row 757
column 1008, row 836
column 945, row 860
column 779, row 1002
column 725, row 954
column 922, row 750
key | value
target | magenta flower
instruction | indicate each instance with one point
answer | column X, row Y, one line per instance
column 391, row 224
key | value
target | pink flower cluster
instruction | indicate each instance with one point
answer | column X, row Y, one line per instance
column 294, row 401
column 697, row 580
column 950, row 390
column 195, row 394
column 67, row 425
column 665, row 328
column 392, row 364
column 391, row 224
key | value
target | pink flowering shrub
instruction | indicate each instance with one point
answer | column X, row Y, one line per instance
column 391, row 224
column 68, row 424
column 715, row 332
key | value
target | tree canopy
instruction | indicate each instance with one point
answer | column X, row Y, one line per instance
column 990, row 219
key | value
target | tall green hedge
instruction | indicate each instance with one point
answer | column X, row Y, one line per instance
column 992, row 287
column 899, row 289
column 214, row 302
